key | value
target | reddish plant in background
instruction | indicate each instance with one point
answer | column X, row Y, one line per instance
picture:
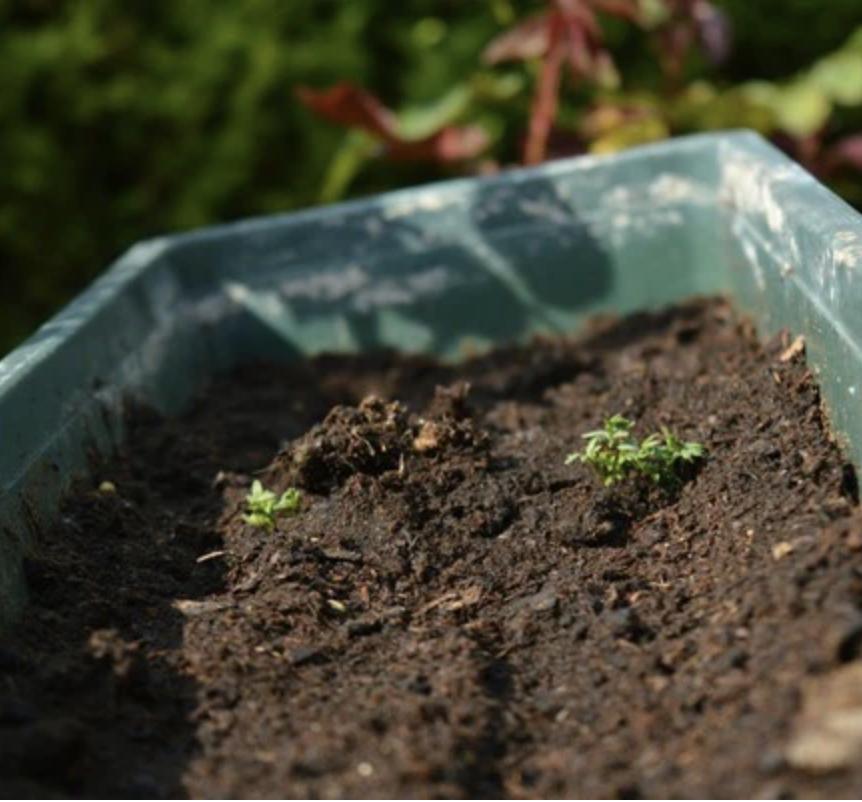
column 568, row 33
column 845, row 153
column 351, row 106
column 826, row 161
column 796, row 113
column 692, row 23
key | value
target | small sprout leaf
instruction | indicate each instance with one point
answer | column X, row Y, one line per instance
column 614, row 454
column 263, row 507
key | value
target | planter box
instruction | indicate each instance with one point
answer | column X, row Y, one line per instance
column 441, row 268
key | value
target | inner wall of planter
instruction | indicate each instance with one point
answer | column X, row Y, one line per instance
column 457, row 271
column 793, row 255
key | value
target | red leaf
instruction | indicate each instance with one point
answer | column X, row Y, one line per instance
column 713, row 31
column 844, row 154
column 690, row 21
column 545, row 101
column 578, row 48
column 526, row 41
column 847, row 152
column 675, row 41
column 450, row 144
column 351, row 106
column 567, row 33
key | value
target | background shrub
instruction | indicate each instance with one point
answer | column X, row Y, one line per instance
column 123, row 119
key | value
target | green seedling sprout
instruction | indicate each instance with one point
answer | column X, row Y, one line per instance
column 614, row 454
column 263, row 506
column 609, row 451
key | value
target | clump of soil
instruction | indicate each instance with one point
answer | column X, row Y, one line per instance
column 454, row 611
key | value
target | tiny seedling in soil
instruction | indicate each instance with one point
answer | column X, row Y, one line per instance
column 614, row 454
column 264, row 507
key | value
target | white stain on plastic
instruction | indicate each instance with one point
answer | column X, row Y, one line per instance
column 547, row 211
column 353, row 285
column 847, row 249
column 646, row 210
column 324, row 285
column 751, row 255
column 429, row 201
column 754, row 191
column 749, row 186
column 404, row 290
column 670, row 188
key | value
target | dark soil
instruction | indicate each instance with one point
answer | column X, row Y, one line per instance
column 454, row 611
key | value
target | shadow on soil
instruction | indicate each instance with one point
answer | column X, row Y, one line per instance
column 91, row 703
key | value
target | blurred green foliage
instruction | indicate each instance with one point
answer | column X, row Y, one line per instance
column 808, row 112
column 122, row 119
column 774, row 38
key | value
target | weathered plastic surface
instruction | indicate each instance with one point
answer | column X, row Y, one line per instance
column 439, row 268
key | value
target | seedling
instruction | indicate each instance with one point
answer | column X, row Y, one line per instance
column 263, row 506
column 611, row 452
column 660, row 457
column 614, row 454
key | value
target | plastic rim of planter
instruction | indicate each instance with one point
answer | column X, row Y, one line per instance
column 441, row 268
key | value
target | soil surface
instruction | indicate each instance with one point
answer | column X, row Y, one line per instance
column 454, row 611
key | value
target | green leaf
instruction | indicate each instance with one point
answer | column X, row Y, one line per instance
column 356, row 150
column 263, row 506
column 419, row 122
column 494, row 87
column 839, row 77
column 289, row 501
column 653, row 13
column 854, row 42
column 801, row 109
column 614, row 454
column 259, row 520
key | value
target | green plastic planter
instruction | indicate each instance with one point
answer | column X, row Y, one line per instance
column 435, row 269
